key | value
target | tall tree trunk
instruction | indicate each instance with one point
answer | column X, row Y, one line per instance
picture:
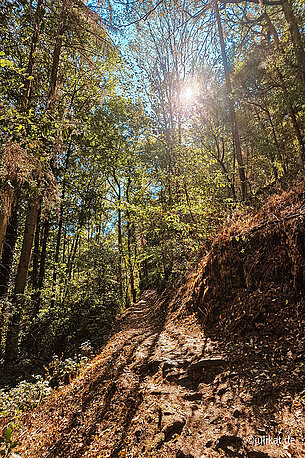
column 293, row 116
column 129, row 241
column 8, row 250
column 11, row 349
column 7, row 200
column 27, row 93
column 72, row 255
column 25, row 103
column 120, row 237
column 11, row 346
column 235, row 132
column 120, row 247
column 287, row 99
column 4, row 219
column 56, row 53
column 60, row 225
column 296, row 37
column 42, row 268
column 7, row 261
column 276, row 142
column 35, row 256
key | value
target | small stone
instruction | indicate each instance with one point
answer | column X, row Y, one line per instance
column 175, row 427
column 182, row 454
column 193, row 396
column 228, row 441
column 207, row 363
column 236, row 413
column 222, row 391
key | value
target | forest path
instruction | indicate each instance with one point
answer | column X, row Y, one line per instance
column 161, row 388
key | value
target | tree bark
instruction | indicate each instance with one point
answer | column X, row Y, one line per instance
column 56, row 53
column 120, row 246
column 42, row 268
column 35, row 256
column 60, row 225
column 27, row 93
column 235, row 132
column 11, row 346
column 12, row 337
column 129, row 241
column 289, row 105
column 4, row 219
column 8, row 251
column 296, row 37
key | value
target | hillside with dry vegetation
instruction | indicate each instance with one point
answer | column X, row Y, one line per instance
column 217, row 369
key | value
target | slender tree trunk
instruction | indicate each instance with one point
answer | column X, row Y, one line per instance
column 120, row 247
column 8, row 250
column 276, row 141
column 42, row 268
column 60, row 225
column 4, row 219
column 293, row 116
column 35, row 257
column 57, row 250
column 120, row 238
column 296, row 37
column 11, row 347
column 265, row 130
column 72, row 256
column 26, row 251
column 7, row 201
column 7, row 261
column 235, row 132
column 56, row 53
column 129, row 241
column 26, row 99
column 301, row 60
column 27, row 93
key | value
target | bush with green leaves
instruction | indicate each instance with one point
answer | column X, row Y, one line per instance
column 7, row 445
column 24, row 396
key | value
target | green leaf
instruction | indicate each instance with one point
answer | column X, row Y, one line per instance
column 8, row 434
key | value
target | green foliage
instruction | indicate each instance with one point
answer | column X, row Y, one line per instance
column 25, row 396
column 7, row 445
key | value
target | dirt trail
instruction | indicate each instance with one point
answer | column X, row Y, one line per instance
column 162, row 388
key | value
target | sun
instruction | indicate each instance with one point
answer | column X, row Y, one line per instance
column 189, row 94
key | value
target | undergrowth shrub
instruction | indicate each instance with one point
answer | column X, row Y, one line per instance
column 24, row 396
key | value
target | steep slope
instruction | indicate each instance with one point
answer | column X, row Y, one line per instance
column 216, row 371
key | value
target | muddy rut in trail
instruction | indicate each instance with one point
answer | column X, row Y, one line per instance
column 162, row 388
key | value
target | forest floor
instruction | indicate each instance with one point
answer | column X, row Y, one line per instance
column 162, row 387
